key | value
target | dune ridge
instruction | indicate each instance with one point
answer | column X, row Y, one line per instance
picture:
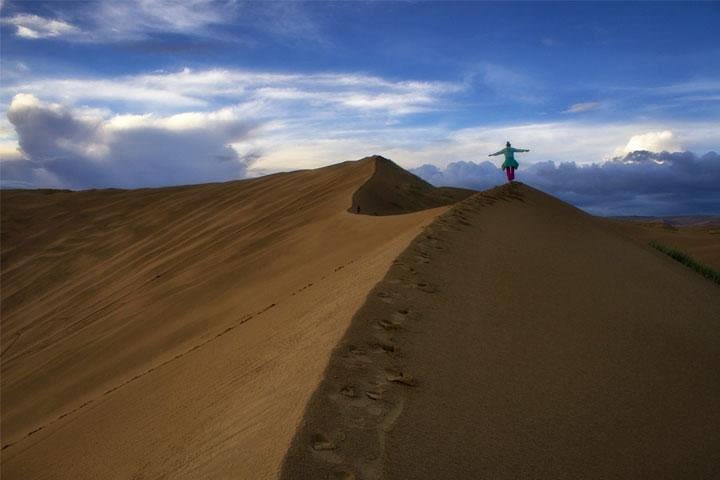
column 179, row 331
column 518, row 337
column 392, row 190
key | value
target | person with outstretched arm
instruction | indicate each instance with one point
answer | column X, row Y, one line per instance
column 510, row 164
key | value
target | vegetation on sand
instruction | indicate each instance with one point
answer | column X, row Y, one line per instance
column 681, row 257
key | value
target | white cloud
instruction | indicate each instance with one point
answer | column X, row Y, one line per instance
column 582, row 107
column 132, row 90
column 135, row 19
column 80, row 148
column 107, row 21
column 190, row 88
column 654, row 142
column 34, row 27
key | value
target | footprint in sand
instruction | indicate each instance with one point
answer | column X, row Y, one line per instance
column 356, row 356
column 405, row 278
column 402, row 378
column 387, row 297
column 374, row 395
column 383, row 341
column 348, row 391
column 355, row 350
column 389, row 325
column 384, row 347
column 319, row 443
column 399, row 318
column 426, row 287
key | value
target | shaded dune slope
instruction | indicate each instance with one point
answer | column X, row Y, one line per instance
column 518, row 337
column 178, row 332
column 392, row 190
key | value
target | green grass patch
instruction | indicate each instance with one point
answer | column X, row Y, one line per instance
column 688, row 261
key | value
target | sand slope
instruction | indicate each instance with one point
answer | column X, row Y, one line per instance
column 393, row 190
column 518, row 337
column 178, row 332
column 699, row 239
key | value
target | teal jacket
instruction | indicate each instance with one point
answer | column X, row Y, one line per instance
column 509, row 152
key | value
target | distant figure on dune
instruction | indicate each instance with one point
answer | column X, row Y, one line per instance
column 510, row 164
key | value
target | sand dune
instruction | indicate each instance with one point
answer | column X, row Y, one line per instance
column 393, row 190
column 178, row 332
column 261, row 329
column 518, row 337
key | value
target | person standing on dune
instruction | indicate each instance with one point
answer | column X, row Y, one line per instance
column 510, row 164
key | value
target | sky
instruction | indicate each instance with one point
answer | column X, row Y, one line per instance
column 153, row 92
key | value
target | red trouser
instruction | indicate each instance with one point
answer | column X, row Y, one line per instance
column 510, row 173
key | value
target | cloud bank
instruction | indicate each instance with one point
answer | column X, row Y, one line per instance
column 639, row 183
column 83, row 148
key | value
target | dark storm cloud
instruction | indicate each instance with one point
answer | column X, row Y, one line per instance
column 641, row 183
column 79, row 149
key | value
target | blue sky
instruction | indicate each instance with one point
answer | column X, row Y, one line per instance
column 150, row 93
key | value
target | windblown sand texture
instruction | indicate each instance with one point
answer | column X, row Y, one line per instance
column 179, row 332
column 258, row 329
column 518, row 337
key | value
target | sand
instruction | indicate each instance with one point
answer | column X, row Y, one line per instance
column 260, row 329
column 178, row 332
column 393, row 191
column 519, row 337
column 697, row 237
